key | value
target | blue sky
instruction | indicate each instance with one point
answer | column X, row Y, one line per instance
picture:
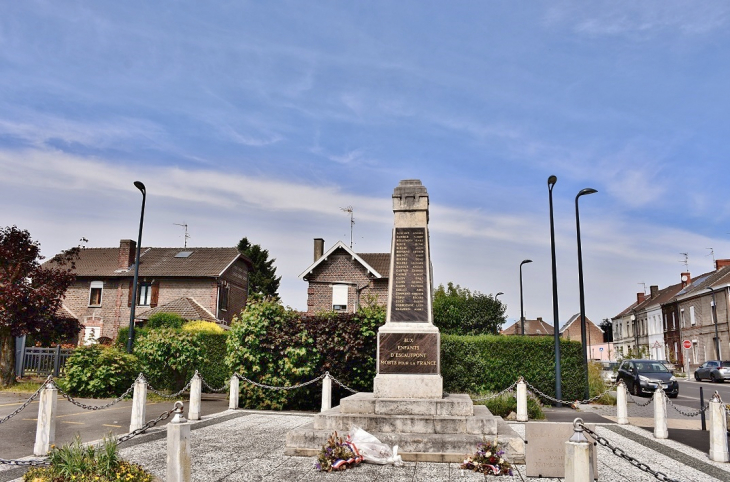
column 263, row 119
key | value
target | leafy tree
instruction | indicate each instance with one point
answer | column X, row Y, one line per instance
column 262, row 280
column 458, row 311
column 30, row 294
column 607, row 328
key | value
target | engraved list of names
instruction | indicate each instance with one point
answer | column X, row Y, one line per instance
column 410, row 289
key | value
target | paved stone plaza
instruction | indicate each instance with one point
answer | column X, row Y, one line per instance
column 249, row 446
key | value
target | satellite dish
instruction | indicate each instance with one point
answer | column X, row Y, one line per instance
column 684, row 278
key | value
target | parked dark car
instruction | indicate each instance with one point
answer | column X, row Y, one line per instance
column 714, row 370
column 646, row 376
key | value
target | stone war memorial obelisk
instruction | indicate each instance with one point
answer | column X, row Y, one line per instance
column 408, row 407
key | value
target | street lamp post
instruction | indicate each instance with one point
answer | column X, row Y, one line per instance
column 522, row 303
column 583, row 339
column 714, row 320
column 130, row 340
column 495, row 296
column 636, row 334
column 556, row 322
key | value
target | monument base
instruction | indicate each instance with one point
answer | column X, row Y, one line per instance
column 408, row 386
column 427, row 430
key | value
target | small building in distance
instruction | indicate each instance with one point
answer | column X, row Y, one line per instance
column 342, row 280
column 536, row 327
column 197, row 283
column 598, row 349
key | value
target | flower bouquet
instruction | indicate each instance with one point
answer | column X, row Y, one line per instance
column 337, row 454
column 489, row 459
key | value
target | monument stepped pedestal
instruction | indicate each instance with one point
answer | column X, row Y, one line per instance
column 407, row 407
column 426, row 430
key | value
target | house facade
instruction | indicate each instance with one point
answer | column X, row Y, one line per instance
column 598, row 349
column 342, row 280
column 197, row 283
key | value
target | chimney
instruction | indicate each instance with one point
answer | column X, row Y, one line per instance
column 318, row 248
column 640, row 297
column 686, row 279
column 721, row 263
column 127, row 252
column 654, row 290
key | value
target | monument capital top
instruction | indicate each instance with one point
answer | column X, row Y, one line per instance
column 410, row 195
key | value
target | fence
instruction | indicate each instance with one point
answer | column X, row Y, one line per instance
column 578, row 462
column 42, row 361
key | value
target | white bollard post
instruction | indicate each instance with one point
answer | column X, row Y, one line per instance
column 326, row 392
column 660, row 414
column 45, row 433
column 718, row 430
column 622, row 411
column 178, row 448
column 139, row 404
column 234, row 393
column 196, row 396
column 578, row 459
column 521, row 400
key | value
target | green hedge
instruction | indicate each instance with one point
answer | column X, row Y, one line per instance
column 99, row 371
column 477, row 364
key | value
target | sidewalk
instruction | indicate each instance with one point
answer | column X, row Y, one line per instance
column 248, row 445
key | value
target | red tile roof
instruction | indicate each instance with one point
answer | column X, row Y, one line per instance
column 188, row 308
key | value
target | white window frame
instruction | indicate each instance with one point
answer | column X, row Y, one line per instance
column 147, row 299
column 96, row 285
column 692, row 319
column 340, row 297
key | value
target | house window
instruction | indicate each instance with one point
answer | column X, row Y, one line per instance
column 681, row 318
column 145, row 294
column 665, row 321
column 223, row 292
column 95, row 293
column 674, row 322
column 692, row 315
column 339, row 297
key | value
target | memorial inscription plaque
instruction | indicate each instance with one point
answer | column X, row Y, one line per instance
column 410, row 286
column 408, row 353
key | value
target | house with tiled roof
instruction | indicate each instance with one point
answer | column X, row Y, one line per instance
column 598, row 349
column 342, row 280
column 536, row 327
column 196, row 283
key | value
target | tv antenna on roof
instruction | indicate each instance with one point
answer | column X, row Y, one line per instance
column 643, row 285
column 685, row 261
column 187, row 236
column 712, row 253
column 349, row 209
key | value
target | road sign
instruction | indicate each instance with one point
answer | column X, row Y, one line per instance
column 687, row 344
column 600, row 349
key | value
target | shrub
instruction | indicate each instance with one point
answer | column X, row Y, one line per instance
column 597, row 385
column 99, row 371
column 169, row 357
column 277, row 346
column 213, row 347
column 458, row 311
column 123, row 334
column 165, row 320
column 202, row 326
column 86, row 464
column 478, row 364
column 503, row 405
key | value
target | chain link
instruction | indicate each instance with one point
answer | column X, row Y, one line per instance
column 214, row 390
column 27, row 463
column 688, row 414
column 271, row 387
column 150, row 424
column 327, row 374
column 490, row 397
column 174, row 395
column 27, row 402
column 651, row 399
column 621, row 453
column 567, row 402
column 95, row 407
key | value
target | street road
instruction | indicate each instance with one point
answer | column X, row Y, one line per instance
column 17, row 435
column 689, row 392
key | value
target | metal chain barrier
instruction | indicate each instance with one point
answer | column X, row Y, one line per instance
column 26, row 463
column 27, row 402
column 165, row 395
column 214, row 390
column 567, row 402
column 271, row 387
column 150, row 424
column 687, row 414
column 327, row 374
column 622, row 454
column 95, row 407
column 490, row 397
column 651, row 399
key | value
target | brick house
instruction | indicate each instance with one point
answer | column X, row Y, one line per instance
column 197, row 283
column 341, row 280
column 598, row 349
column 690, row 314
column 536, row 327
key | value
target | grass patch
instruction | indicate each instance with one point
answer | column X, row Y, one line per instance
column 504, row 404
column 25, row 386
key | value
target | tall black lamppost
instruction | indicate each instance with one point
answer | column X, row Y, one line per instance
column 495, row 296
column 714, row 320
column 522, row 303
column 556, row 322
column 583, row 339
column 130, row 340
